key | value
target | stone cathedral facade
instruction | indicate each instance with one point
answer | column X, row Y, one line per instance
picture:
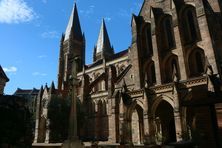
column 164, row 88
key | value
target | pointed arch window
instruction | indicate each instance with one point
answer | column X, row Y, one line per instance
column 190, row 25
column 148, row 41
column 174, row 65
column 196, row 63
column 171, row 65
column 199, row 63
column 151, row 74
column 167, row 34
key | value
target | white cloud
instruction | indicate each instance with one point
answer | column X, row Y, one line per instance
column 11, row 69
column 89, row 11
column 39, row 74
column 42, row 56
column 124, row 13
column 15, row 11
column 50, row 34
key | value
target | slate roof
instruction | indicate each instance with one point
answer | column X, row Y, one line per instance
column 20, row 91
column 113, row 57
column 119, row 55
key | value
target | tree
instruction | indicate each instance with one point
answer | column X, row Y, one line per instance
column 58, row 114
column 15, row 125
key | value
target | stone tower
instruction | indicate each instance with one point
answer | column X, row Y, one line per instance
column 72, row 45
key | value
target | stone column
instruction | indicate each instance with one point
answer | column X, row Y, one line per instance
column 112, row 121
column 73, row 140
column 36, row 130
column 178, row 126
column 177, row 118
column 47, row 131
column 152, row 130
column 146, row 128
column 156, row 60
column 145, row 120
column 37, row 115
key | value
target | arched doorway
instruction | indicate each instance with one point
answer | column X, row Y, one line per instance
column 165, row 123
column 137, row 125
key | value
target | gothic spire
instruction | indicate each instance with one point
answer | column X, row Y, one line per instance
column 103, row 43
column 73, row 25
column 40, row 92
column 52, row 88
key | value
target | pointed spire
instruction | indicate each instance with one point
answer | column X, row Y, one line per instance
column 52, row 88
column 40, row 92
column 46, row 86
column 73, row 25
column 103, row 43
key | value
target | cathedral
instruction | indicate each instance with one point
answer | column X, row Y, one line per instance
column 164, row 89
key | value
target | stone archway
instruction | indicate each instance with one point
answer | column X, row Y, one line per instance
column 165, row 123
column 137, row 125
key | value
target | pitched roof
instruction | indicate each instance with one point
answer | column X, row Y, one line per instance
column 98, row 62
column 74, row 24
column 3, row 75
column 20, row 91
column 119, row 54
column 113, row 57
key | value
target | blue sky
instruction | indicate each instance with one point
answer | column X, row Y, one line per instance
column 31, row 30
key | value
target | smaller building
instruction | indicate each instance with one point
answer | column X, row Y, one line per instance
column 3, row 80
column 30, row 95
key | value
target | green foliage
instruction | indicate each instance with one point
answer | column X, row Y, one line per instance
column 58, row 113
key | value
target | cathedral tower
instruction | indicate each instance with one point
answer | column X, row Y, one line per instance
column 103, row 47
column 72, row 45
